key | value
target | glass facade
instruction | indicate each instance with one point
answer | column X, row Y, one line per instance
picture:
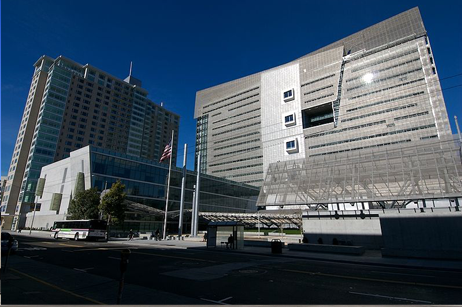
column 146, row 181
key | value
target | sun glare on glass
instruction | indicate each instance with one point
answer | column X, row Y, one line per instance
column 367, row 78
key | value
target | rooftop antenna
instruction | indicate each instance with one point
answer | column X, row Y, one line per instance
column 131, row 66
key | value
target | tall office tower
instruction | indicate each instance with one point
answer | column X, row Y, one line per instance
column 70, row 106
column 2, row 186
column 377, row 87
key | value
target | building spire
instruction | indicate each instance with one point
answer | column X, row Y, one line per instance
column 131, row 66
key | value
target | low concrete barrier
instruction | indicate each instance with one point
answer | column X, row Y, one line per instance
column 259, row 243
column 325, row 248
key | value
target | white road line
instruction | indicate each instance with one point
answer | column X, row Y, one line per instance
column 83, row 270
column 220, row 302
column 225, row 299
column 402, row 274
column 391, row 297
column 114, row 258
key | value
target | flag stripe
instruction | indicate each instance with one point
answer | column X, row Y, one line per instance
column 167, row 151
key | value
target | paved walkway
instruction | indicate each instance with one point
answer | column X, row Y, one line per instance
column 370, row 257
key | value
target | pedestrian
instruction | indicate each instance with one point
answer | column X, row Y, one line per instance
column 157, row 234
column 130, row 235
column 230, row 241
column 205, row 237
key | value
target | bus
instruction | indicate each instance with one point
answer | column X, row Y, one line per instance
column 80, row 229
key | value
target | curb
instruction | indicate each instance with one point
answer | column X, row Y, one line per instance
column 344, row 261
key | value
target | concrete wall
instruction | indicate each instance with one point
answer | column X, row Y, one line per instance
column 433, row 233
column 425, row 235
column 349, row 228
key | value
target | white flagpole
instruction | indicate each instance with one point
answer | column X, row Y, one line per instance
column 183, row 184
column 168, row 190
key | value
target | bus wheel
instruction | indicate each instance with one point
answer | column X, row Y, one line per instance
column 76, row 237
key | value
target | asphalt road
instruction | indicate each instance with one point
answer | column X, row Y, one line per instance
column 46, row 271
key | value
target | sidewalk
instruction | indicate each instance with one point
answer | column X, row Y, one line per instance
column 370, row 257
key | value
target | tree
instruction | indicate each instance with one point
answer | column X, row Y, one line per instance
column 84, row 205
column 113, row 204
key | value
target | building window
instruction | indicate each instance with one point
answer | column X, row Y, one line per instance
column 289, row 119
column 288, row 95
column 291, row 146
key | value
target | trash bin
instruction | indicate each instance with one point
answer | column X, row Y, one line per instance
column 276, row 246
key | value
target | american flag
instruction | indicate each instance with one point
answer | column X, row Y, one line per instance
column 167, row 151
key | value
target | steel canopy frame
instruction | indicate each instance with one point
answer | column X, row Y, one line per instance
column 391, row 177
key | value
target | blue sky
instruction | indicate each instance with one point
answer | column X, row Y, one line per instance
column 180, row 47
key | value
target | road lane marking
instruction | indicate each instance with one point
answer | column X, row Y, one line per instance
column 56, row 287
column 402, row 274
column 392, row 297
column 177, row 257
column 374, row 279
column 83, row 270
column 114, row 258
column 221, row 302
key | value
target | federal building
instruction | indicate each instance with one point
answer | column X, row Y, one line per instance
column 70, row 106
column 376, row 88
column 362, row 119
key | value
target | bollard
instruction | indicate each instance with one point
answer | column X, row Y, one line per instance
column 125, row 255
column 9, row 245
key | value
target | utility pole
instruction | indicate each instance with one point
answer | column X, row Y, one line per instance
column 183, row 184
column 168, row 187
column 197, row 198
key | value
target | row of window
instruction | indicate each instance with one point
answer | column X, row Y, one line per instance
column 373, row 63
column 237, row 115
column 429, row 137
column 252, row 181
column 237, row 144
column 317, row 80
column 411, row 105
column 319, row 98
column 231, row 103
column 235, row 161
column 345, row 129
column 238, row 94
column 234, row 123
column 360, row 148
column 411, row 115
column 237, row 128
column 384, row 79
column 236, row 168
column 242, row 175
column 385, row 101
column 243, row 105
column 387, row 88
column 387, row 68
column 373, row 136
column 237, row 151
column 318, row 90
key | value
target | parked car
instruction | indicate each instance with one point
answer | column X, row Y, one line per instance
column 6, row 237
